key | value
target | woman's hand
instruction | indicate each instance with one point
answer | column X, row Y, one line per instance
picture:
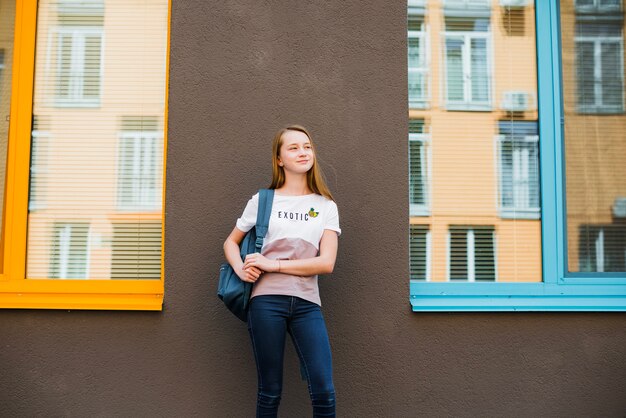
column 260, row 262
column 247, row 273
column 250, row 274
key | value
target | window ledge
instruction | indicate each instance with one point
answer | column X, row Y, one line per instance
column 418, row 104
column 77, row 103
column 95, row 301
column 600, row 110
column 469, row 107
column 138, row 208
column 419, row 210
column 520, row 213
column 516, row 303
column 501, row 296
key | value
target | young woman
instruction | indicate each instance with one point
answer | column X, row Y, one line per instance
column 301, row 243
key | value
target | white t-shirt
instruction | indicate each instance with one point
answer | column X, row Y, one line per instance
column 295, row 230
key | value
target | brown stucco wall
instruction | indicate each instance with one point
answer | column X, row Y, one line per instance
column 239, row 70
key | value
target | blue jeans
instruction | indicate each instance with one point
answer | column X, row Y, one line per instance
column 270, row 318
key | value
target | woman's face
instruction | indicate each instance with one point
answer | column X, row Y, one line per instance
column 296, row 153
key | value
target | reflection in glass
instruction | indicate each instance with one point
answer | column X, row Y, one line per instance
column 472, row 254
column 419, row 245
column 467, row 61
column 418, row 167
column 594, row 139
column 473, row 143
column 7, row 25
column 418, row 69
column 599, row 66
column 96, row 166
column 518, row 157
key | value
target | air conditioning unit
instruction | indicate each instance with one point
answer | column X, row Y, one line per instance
column 619, row 207
column 514, row 3
column 516, row 101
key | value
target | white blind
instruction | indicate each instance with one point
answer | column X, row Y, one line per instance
column 96, row 175
column 592, row 38
column 473, row 142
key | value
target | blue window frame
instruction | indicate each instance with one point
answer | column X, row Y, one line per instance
column 559, row 290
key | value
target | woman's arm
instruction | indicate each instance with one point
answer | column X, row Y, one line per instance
column 233, row 256
column 324, row 263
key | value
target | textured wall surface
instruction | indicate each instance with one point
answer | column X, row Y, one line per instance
column 240, row 70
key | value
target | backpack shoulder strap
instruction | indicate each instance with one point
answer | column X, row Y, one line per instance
column 266, row 199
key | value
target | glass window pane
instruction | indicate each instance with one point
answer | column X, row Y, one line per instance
column 417, row 50
column 585, row 73
column 417, row 172
column 415, row 53
column 95, row 204
column 69, row 258
column 484, row 255
column 594, row 137
column 7, row 27
column 458, row 255
column 417, row 70
column 479, row 70
column 474, row 161
column 611, row 77
column 506, row 174
column 454, row 68
column 418, row 246
column 519, row 162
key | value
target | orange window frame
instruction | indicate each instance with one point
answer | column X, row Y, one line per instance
column 15, row 290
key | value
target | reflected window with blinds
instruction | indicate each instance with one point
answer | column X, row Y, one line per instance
column 75, row 64
column 96, row 166
column 518, row 174
column 467, row 57
column 471, row 253
column 418, row 168
column 419, row 248
column 418, row 68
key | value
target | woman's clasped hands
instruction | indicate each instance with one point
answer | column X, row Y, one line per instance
column 254, row 265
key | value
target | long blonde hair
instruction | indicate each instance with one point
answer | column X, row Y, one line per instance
column 314, row 177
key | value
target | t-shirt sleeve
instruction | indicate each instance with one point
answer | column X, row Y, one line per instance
column 248, row 217
column 332, row 218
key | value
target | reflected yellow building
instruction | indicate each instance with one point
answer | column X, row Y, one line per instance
column 474, row 145
column 96, row 177
column 473, row 141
